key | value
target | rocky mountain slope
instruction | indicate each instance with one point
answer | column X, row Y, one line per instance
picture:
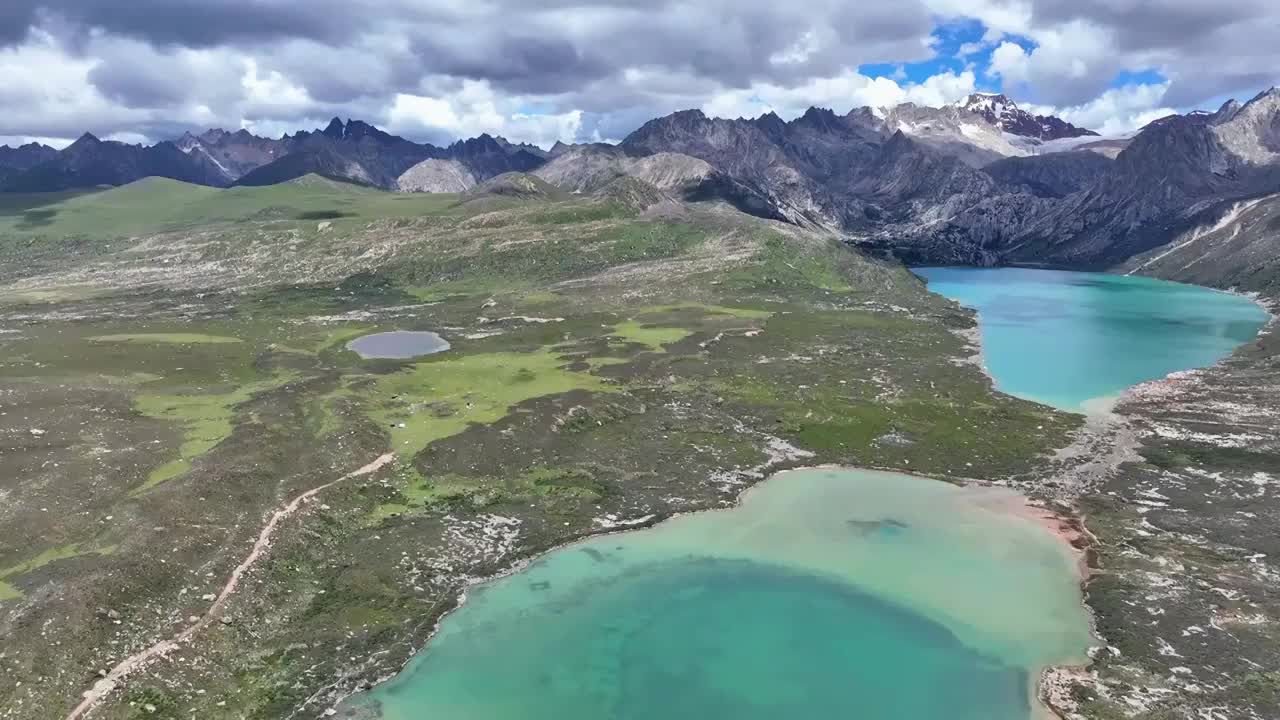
column 956, row 132
column 916, row 192
column 1054, row 175
column 587, row 168
column 1174, row 175
column 234, row 153
column 844, row 173
column 1237, row 248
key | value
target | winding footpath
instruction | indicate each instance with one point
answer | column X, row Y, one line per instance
column 113, row 678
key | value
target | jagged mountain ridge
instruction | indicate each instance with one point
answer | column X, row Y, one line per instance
column 1172, row 175
column 90, row 162
column 954, row 131
column 927, row 184
column 20, row 159
column 487, row 156
column 352, row 151
column 845, row 173
column 359, row 152
column 912, row 195
column 234, row 153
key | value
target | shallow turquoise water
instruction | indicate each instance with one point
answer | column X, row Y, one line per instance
column 828, row 593
column 1065, row 338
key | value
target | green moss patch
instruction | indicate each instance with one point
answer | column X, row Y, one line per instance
column 653, row 337
column 433, row 400
column 64, row 552
column 206, row 421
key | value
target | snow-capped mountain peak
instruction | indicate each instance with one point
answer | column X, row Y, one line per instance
column 986, row 102
column 1005, row 114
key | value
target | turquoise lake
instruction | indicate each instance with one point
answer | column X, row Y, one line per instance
column 827, row 593
column 1068, row 338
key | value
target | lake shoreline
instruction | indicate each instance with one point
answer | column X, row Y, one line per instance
column 991, row 497
column 1109, row 438
column 1003, row 325
column 1113, row 427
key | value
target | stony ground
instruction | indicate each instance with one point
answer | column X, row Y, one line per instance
column 610, row 366
column 1187, row 593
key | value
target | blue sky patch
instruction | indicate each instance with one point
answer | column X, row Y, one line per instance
column 1150, row 76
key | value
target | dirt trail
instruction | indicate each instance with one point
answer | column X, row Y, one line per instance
column 112, row 680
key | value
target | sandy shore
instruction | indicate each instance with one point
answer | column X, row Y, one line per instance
column 1067, row 528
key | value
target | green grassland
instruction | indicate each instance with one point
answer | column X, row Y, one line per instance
column 603, row 363
column 154, row 205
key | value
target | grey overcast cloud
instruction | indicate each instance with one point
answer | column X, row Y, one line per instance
column 147, row 70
